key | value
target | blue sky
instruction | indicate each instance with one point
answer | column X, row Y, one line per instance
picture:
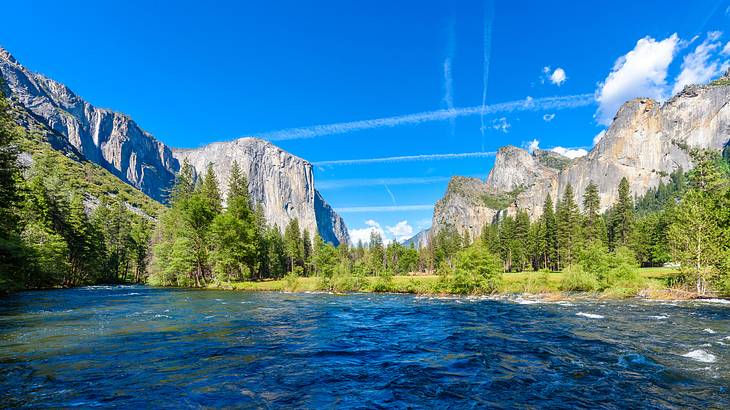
column 197, row 72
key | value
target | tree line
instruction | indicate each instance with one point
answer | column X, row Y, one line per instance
column 685, row 221
column 53, row 234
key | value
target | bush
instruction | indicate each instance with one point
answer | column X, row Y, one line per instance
column 382, row 284
column 537, row 282
column 476, row 270
column 575, row 279
column 291, row 281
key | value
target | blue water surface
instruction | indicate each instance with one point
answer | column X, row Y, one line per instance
column 134, row 346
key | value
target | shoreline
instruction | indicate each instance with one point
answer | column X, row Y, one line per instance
column 514, row 285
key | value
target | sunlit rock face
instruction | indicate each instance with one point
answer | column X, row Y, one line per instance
column 108, row 138
column 645, row 143
column 282, row 183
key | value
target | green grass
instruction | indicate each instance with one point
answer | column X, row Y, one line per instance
column 547, row 283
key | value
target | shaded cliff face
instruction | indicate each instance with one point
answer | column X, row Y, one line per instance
column 281, row 182
column 107, row 138
column 645, row 143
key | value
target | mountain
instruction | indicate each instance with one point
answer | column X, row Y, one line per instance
column 645, row 143
column 282, row 183
column 419, row 240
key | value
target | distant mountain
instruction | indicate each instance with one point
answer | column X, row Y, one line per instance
column 645, row 143
column 282, row 183
column 419, row 240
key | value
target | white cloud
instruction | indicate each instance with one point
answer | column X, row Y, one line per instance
column 501, row 124
column 548, row 117
column 642, row 72
column 401, row 231
column 570, row 152
column 698, row 66
column 558, row 77
column 531, row 145
column 726, row 49
column 363, row 234
column 598, row 137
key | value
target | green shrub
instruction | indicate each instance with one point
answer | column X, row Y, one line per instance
column 476, row 270
column 383, row 283
column 536, row 282
column 291, row 281
column 575, row 279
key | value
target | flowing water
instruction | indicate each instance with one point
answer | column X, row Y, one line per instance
column 133, row 346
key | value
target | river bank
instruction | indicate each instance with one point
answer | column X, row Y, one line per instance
column 546, row 286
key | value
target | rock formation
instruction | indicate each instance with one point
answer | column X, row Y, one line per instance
column 282, row 183
column 645, row 143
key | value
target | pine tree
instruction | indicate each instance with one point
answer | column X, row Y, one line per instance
column 184, row 183
column 568, row 228
column 293, row 246
column 376, row 253
column 622, row 216
column 594, row 227
column 549, row 240
column 211, row 192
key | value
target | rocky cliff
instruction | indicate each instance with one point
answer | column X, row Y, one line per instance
column 645, row 143
column 282, row 183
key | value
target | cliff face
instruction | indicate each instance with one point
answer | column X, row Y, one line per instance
column 645, row 143
column 107, row 138
column 282, row 183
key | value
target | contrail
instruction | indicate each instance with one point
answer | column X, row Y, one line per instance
column 488, row 16
column 363, row 182
column 425, row 157
column 528, row 104
column 332, row 184
column 448, row 76
column 395, row 208
column 392, row 197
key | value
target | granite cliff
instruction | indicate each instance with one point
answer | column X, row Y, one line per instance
column 646, row 141
column 281, row 182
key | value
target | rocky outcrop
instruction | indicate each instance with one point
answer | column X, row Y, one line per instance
column 107, row 138
column 331, row 225
column 419, row 240
column 645, row 143
column 282, row 183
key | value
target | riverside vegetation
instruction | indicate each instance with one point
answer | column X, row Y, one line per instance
column 69, row 223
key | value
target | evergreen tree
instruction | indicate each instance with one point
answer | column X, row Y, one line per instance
column 548, row 243
column 622, row 216
column 568, row 228
column 376, row 254
column 594, row 227
column 293, row 246
column 211, row 192
column 11, row 251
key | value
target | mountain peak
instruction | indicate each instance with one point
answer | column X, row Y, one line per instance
column 5, row 55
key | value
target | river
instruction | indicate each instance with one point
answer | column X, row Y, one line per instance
column 135, row 346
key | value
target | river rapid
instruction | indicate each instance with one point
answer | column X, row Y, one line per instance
column 135, row 346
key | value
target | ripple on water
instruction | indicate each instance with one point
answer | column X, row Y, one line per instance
column 590, row 315
column 701, row 355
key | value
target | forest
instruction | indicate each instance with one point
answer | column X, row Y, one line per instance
column 53, row 233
